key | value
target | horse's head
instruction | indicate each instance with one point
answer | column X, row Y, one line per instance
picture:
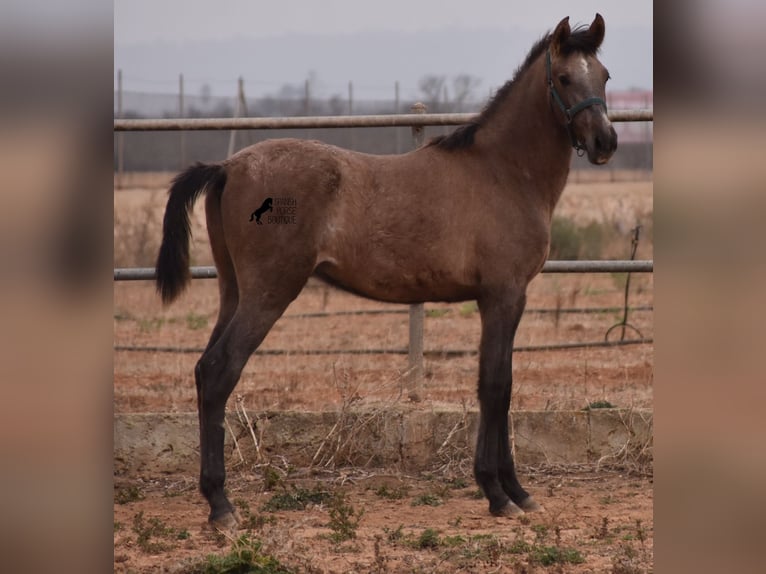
column 577, row 80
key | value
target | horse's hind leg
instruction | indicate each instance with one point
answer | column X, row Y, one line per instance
column 217, row 373
column 493, row 466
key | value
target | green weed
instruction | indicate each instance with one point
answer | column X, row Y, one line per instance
column 147, row 325
column 469, row 308
column 195, row 321
column 298, row 499
column 549, row 555
column 126, row 494
column 271, row 478
column 344, row 520
column 147, row 532
column 394, row 536
column 396, row 493
column 244, row 557
column 436, row 313
column 599, row 405
column 570, row 241
column 428, row 499
column 429, row 538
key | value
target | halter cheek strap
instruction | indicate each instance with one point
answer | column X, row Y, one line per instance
column 569, row 113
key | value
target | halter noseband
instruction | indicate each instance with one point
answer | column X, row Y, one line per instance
column 569, row 113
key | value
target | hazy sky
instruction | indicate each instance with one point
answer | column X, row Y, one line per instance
column 371, row 43
column 140, row 21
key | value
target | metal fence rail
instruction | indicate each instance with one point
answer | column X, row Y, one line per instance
column 435, row 353
column 383, row 120
column 615, row 266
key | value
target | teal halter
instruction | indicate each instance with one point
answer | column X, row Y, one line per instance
column 569, row 113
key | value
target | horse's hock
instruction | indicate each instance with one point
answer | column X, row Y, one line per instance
column 400, row 436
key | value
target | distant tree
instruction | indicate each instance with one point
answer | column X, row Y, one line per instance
column 205, row 93
column 337, row 105
column 463, row 86
column 432, row 87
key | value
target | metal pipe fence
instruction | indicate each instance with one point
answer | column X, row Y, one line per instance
column 303, row 122
column 615, row 266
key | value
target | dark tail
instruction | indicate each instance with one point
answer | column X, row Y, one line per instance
column 173, row 259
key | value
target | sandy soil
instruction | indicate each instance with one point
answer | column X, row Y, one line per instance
column 605, row 516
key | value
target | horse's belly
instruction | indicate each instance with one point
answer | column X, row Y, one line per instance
column 397, row 284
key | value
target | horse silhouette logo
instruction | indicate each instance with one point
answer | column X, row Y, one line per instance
column 265, row 206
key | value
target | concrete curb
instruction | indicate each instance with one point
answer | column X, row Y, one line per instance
column 410, row 438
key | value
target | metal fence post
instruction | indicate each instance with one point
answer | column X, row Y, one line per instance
column 181, row 114
column 417, row 312
column 120, row 135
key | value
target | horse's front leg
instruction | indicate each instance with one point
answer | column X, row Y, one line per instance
column 493, row 465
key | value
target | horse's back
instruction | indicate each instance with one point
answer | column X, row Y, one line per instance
column 410, row 227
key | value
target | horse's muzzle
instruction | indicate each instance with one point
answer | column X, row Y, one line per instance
column 601, row 145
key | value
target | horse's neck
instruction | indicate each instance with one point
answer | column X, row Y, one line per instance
column 525, row 138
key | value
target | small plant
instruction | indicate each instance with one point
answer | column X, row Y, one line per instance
column 245, row 556
column 450, row 541
column 457, row 522
column 428, row 499
column 127, row 494
column 640, row 531
column 195, row 321
column 183, row 534
column 429, row 538
column 271, row 478
column 457, row 483
column 603, row 531
column 469, row 308
column 147, row 325
column 148, row 530
column 123, row 316
column 298, row 499
column 394, row 536
column 485, row 547
column 520, row 546
column 599, row 405
column 541, row 531
column 392, row 493
column 380, row 560
column 436, row 313
column 255, row 522
column 549, row 555
column 344, row 520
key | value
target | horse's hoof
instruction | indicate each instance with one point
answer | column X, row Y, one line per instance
column 529, row 504
column 226, row 523
column 508, row 511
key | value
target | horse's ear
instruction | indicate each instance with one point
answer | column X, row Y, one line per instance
column 560, row 35
column 597, row 30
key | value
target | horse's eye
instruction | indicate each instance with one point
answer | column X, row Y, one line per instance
column 564, row 80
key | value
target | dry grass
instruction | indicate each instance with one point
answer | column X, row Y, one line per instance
column 635, row 455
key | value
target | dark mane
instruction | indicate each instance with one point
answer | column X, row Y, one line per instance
column 578, row 41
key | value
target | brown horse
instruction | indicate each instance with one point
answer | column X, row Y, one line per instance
column 467, row 216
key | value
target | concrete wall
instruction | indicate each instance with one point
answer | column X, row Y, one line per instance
column 408, row 438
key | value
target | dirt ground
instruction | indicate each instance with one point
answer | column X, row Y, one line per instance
column 605, row 516
column 592, row 522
